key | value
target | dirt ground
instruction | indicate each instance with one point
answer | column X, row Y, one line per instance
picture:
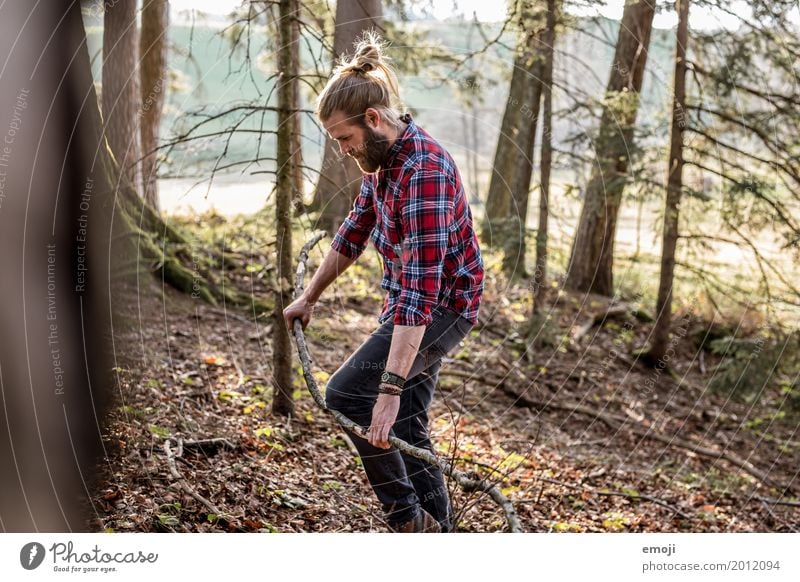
column 580, row 436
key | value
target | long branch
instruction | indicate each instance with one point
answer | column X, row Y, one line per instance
column 466, row 482
column 789, row 170
column 614, row 422
column 776, row 206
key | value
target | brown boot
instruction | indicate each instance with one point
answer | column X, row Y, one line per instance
column 424, row 522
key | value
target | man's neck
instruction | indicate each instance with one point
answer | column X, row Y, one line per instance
column 394, row 134
column 397, row 132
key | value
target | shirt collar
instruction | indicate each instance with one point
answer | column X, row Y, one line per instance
column 397, row 146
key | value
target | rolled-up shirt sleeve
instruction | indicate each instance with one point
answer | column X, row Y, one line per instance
column 352, row 237
column 426, row 216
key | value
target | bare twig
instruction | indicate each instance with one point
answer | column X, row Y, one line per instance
column 787, row 503
column 180, row 481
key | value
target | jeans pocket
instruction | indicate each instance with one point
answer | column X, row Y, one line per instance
column 452, row 335
column 464, row 325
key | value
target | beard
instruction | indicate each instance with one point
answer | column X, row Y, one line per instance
column 372, row 154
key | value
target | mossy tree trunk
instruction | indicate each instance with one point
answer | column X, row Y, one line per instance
column 153, row 245
column 120, row 89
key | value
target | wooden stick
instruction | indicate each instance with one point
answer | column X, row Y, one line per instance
column 617, row 422
column 609, row 493
column 466, row 483
column 787, row 503
column 173, row 469
column 613, row 311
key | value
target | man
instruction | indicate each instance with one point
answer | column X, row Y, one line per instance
column 413, row 207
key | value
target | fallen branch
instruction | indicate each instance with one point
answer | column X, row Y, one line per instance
column 613, row 311
column 181, row 482
column 466, row 482
column 212, row 445
column 609, row 493
column 616, row 422
column 787, row 503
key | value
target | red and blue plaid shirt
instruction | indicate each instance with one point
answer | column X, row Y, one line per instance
column 418, row 217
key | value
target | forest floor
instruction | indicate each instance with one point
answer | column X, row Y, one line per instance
column 580, row 434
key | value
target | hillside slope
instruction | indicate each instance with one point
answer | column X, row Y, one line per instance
column 583, row 438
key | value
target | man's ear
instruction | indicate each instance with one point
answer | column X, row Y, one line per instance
column 372, row 117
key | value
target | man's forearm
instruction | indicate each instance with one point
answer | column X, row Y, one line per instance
column 332, row 266
column 406, row 340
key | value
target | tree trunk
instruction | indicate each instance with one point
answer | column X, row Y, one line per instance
column 120, row 90
column 504, row 224
column 540, row 274
column 498, row 199
column 674, row 189
column 340, row 177
column 282, row 402
column 73, row 236
column 156, row 247
column 591, row 259
column 298, row 181
column 153, row 67
column 56, row 229
column 470, row 124
column 474, row 145
column 515, row 248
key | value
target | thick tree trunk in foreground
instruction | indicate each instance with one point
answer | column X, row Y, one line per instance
column 592, row 256
column 56, row 232
column 75, row 244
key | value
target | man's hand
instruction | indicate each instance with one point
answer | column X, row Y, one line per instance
column 384, row 413
column 300, row 308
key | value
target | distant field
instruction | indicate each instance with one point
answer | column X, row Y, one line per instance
column 634, row 273
column 204, row 73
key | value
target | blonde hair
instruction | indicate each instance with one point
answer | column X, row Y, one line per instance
column 365, row 80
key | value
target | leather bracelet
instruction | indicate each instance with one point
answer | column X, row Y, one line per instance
column 390, row 389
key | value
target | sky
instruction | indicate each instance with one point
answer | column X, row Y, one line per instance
column 488, row 10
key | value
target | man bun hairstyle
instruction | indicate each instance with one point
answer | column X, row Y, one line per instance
column 363, row 81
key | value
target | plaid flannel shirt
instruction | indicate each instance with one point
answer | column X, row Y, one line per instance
column 418, row 217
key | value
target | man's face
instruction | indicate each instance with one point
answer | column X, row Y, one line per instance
column 368, row 146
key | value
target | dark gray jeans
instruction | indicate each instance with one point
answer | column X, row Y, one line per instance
column 401, row 483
